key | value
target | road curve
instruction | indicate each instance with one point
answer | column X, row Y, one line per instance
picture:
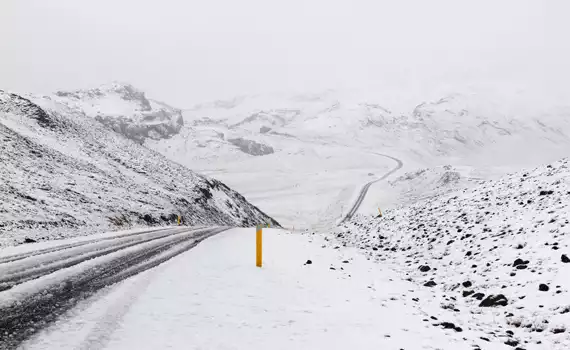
column 38, row 287
column 365, row 188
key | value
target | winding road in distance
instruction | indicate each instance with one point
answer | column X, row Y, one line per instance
column 365, row 188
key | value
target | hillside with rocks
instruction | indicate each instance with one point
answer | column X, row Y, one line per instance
column 63, row 173
column 495, row 257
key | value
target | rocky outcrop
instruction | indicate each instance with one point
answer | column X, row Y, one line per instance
column 251, row 147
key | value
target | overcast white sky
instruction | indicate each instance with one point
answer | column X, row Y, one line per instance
column 185, row 51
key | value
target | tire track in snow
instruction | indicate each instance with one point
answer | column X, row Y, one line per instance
column 35, row 267
column 15, row 257
column 25, row 316
column 366, row 187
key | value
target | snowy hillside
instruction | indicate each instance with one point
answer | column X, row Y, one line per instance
column 63, row 173
column 126, row 110
column 495, row 257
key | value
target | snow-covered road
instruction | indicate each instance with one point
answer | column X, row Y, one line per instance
column 38, row 286
column 308, row 295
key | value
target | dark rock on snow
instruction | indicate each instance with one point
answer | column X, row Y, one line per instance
column 494, row 300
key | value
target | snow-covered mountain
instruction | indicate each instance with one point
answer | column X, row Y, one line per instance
column 449, row 125
column 325, row 145
column 301, row 157
column 125, row 110
column 63, row 173
column 495, row 256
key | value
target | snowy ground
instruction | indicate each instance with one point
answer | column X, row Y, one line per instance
column 215, row 298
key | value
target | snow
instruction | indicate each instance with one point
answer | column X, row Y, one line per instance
column 213, row 297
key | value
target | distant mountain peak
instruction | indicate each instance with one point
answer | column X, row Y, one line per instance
column 126, row 110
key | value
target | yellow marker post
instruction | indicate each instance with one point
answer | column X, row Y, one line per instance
column 380, row 212
column 179, row 220
column 258, row 245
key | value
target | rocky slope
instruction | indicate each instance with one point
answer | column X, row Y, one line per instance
column 62, row 173
column 495, row 257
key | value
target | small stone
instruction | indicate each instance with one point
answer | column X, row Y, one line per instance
column 467, row 284
column 543, row 287
column 425, row 268
column 565, row 259
column 520, row 262
column 449, row 325
column 309, row 262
